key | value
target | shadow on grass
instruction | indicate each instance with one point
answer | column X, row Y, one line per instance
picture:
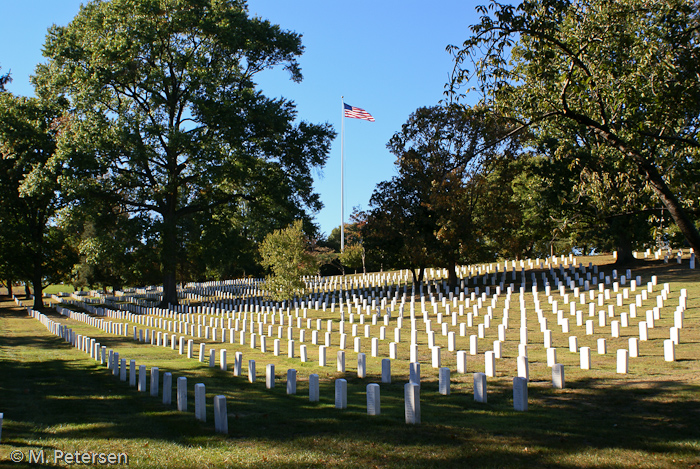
column 62, row 395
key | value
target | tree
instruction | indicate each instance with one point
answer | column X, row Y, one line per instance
column 4, row 80
column 627, row 74
column 32, row 248
column 433, row 201
column 287, row 253
column 167, row 120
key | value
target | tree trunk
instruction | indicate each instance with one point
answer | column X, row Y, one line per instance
column 668, row 198
column 38, row 286
column 649, row 170
column 452, row 280
column 624, row 249
column 169, row 248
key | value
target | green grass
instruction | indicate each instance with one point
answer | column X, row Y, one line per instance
column 55, row 397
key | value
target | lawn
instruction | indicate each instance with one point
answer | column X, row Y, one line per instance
column 55, row 397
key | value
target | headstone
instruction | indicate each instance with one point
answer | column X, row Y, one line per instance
column 551, row 357
column 200, row 403
column 142, row 378
column 520, row 394
column 480, row 387
column 622, row 361
column 341, row 394
column 386, row 370
column 167, row 387
column 132, row 372
column 361, row 365
column 436, row 355
column 444, row 381
column 669, row 351
column 251, row 371
column 573, row 344
column 414, row 373
column 222, row 359
column 291, row 381
column 523, row 367
column 558, row 381
column 313, row 388
column 490, row 364
column 412, row 403
column 461, row 361
column 341, row 361
column 373, row 400
column 633, row 347
column 182, row 394
column 122, row 370
column 602, row 346
column 585, row 353
column 270, row 376
column 212, row 358
column 220, row 415
column 155, row 379
column 238, row 364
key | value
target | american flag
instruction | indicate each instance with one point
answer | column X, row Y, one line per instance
column 357, row 113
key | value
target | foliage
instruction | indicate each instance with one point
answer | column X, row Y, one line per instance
column 433, row 204
column 31, row 248
column 623, row 77
column 287, row 253
column 166, row 118
column 4, row 80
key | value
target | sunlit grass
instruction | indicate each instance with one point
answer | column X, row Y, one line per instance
column 55, row 397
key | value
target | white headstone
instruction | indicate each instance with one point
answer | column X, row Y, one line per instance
column 669, row 351
column 167, row 388
column 251, row 371
column 341, row 394
column 291, row 381
column 200, row 407
column 313, row 388
column 270, row 376
column 480, row 387
column 622, row 361
column 523, row 367
column 414, row 373
column 182, row 394
column 361, row 365
column 585, row 353
column 558, row 380
column 220, row 415
column 412, row 403
column 373, row 399
column 142, row 378
column 340, row 361
column 461, row 361
column 520, row 394
column 155, row 379
column 490, row 364
column 444, row 381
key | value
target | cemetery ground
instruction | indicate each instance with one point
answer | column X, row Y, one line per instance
column 56, row 397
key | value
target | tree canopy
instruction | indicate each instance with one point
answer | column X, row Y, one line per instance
column 166, row 119
column 626, row 75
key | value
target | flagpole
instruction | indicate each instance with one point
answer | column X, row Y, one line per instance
column 342, row 176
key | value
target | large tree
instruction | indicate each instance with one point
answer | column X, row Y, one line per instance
column 165, row 106
column 626, row 73
column 434, row 200
column 32, row 247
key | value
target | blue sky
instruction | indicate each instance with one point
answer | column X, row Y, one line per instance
column 387, row 57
